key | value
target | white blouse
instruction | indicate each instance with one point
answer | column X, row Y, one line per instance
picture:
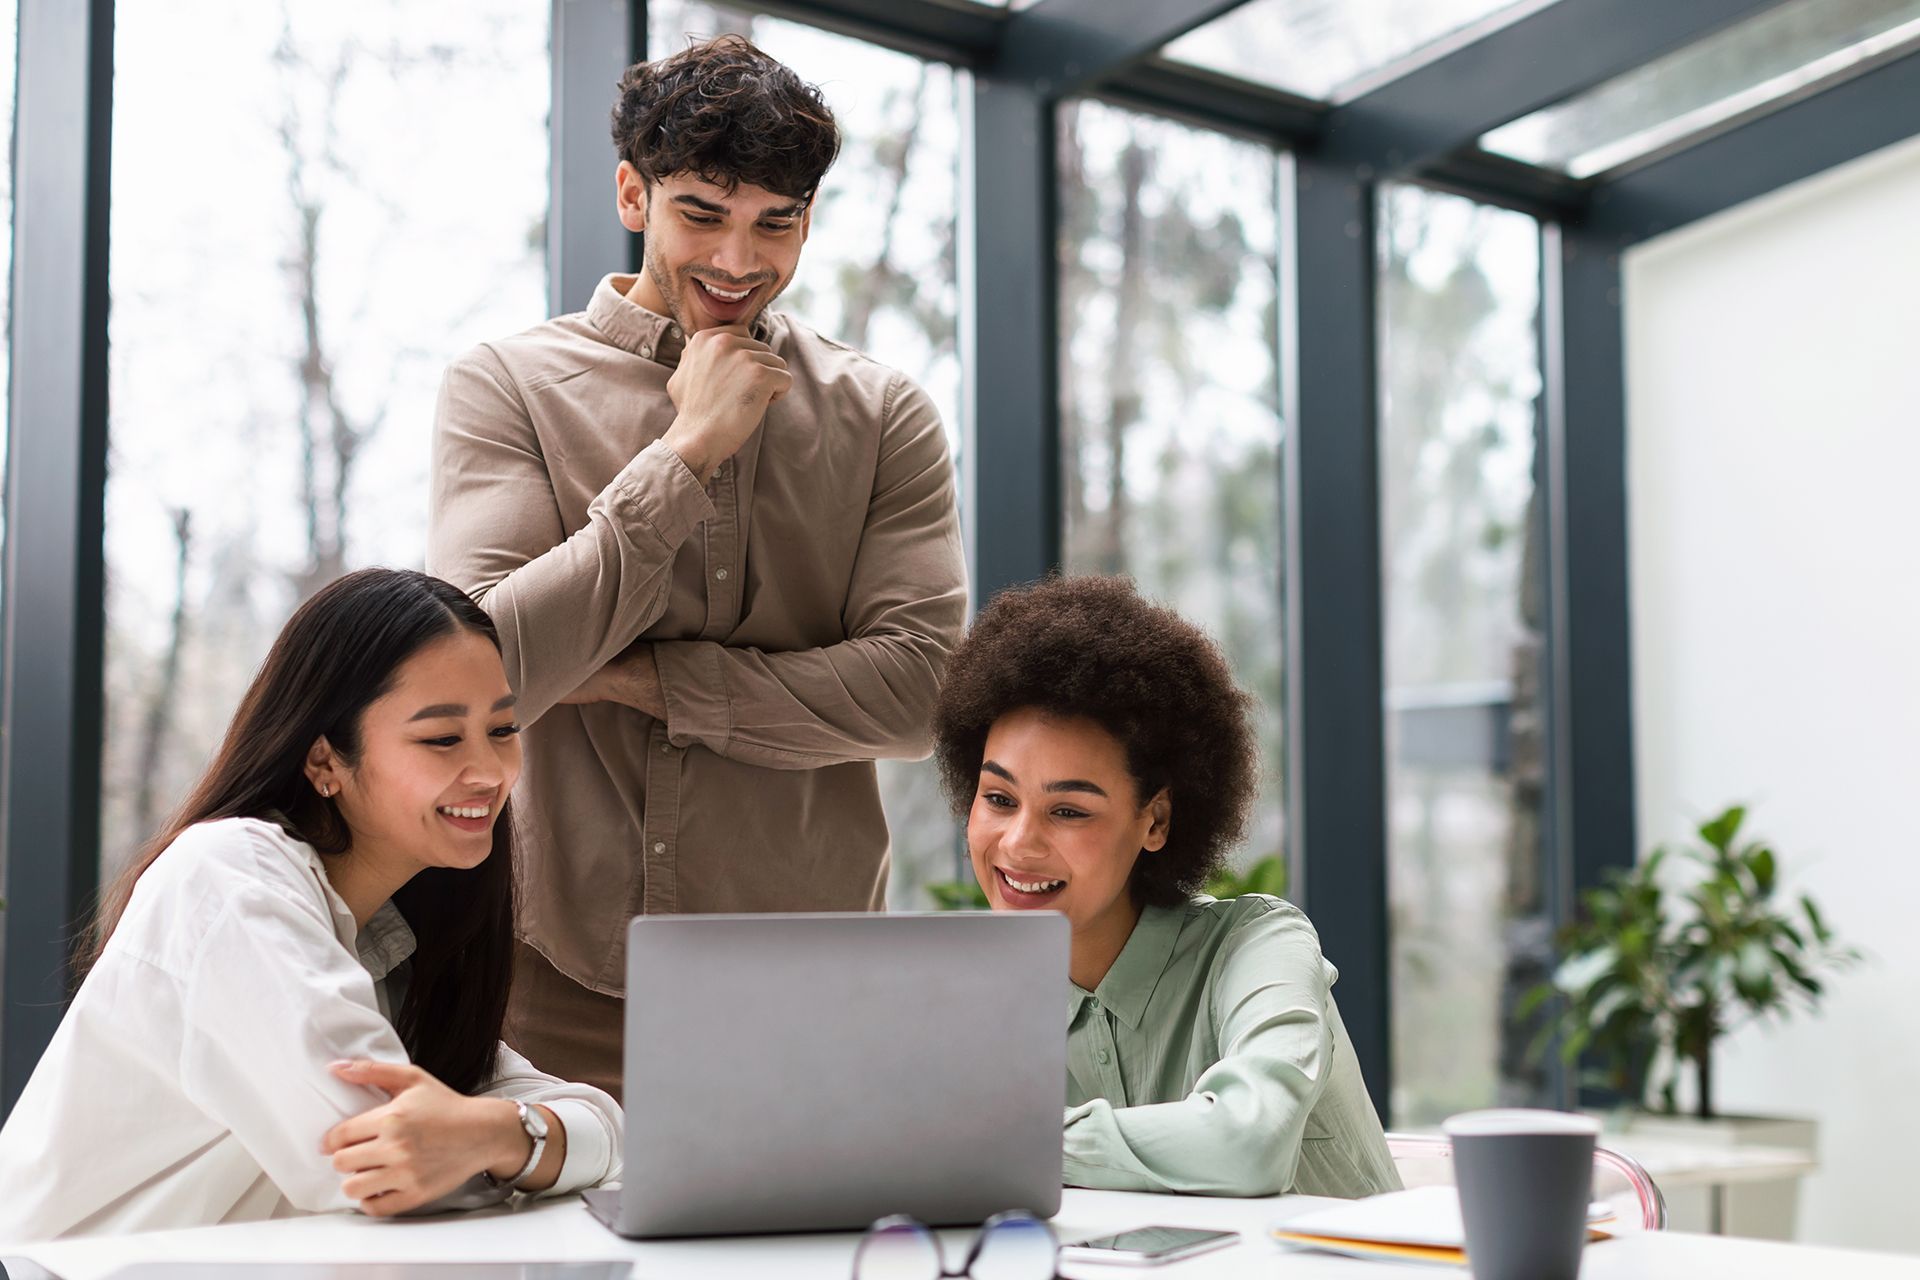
column 188, row 1083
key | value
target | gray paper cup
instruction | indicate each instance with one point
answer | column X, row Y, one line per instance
column 1525, row 1180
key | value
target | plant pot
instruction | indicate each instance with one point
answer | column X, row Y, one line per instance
column 1736, row 1175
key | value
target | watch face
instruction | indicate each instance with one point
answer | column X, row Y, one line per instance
column 534, row 1120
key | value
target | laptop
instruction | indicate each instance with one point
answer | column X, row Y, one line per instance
column 816, row 1072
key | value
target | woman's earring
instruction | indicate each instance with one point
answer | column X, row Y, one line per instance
column 325, row 790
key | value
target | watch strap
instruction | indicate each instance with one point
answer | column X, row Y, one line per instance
column 536, row 1129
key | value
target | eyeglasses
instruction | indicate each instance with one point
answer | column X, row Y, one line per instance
column 1011, row 1246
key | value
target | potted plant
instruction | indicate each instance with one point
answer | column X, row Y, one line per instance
column 1651, row 979
column 1657, row 968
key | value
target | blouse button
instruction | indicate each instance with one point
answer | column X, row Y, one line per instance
column 659, row 846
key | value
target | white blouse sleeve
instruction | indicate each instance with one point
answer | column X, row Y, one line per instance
column 593, row 1120
column 271, row 1000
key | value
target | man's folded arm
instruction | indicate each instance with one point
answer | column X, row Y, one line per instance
column 870, row 696
column 565, row 602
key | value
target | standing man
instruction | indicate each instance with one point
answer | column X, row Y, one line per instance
column 722, row 550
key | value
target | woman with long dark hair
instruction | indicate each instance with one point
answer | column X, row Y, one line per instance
column 294, row 993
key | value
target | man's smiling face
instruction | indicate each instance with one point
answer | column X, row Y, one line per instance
column 713, row 256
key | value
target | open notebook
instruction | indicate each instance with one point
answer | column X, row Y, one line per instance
column 1421, row 1225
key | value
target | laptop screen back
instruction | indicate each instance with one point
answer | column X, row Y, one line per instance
column 818, row 1072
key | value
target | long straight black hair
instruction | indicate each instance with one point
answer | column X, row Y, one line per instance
column 340, row 652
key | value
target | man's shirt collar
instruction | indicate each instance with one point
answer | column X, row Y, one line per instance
column 631, row 327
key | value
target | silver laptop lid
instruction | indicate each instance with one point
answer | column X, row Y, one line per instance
column 815, row 1072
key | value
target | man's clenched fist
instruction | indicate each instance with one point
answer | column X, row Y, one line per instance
column 722, row 388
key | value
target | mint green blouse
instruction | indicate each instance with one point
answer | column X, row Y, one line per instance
column 1211, row 1059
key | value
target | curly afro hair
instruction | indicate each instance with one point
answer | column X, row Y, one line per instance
column 1092, row 647
column 727, row 113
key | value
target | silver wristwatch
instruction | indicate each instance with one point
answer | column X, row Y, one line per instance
column 534, row 1121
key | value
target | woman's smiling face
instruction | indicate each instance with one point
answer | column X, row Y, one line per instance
column 439, row 753
column 1057, row 820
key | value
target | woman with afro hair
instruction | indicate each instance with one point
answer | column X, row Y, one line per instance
column 1104, row 761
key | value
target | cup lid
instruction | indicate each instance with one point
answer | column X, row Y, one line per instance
column 1477, row 1124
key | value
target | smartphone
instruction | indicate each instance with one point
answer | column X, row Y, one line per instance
column 1147, row 1246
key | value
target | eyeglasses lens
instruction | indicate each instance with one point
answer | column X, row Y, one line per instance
column 1015, row 1246
column 897, row 1249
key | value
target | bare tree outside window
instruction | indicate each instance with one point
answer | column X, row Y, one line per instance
column 1460, row 379
column 317, row 205
column 1169, row 372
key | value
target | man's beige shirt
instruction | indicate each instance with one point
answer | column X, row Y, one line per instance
column 801, row 605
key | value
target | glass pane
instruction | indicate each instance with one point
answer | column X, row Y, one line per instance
column 9, row 60
column 9, row 55
column 879, row 273
column 1460, row 377
column 1330, row 48
column 1709, row 83
column 299, row 249
column 1169, row 397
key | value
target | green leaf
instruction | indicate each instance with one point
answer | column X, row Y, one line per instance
column 1753, row 973
column 1580, row 971
column 1608, row 1005
column 958, row 895
column 1820, row 929
column 1268, row 875
column 1760, row 861
column 1718, row 832
column 1537, row 1047
column 1533, row 999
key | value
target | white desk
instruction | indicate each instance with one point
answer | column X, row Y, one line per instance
column 562, row 1230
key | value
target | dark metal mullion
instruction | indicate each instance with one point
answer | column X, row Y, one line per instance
column 1550, row 485
column 1591, row 762
column 54, row 611
column 1490, row 179
column 951, row 31
column 592, row 42
column 1336, row 793
column 1063, row 46
column 1215, row 101
column 1843, row 122
column 1014, row 473
column 1539, row 59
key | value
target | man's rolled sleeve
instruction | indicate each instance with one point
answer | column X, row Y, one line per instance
column 656, row 492
column 693, row 684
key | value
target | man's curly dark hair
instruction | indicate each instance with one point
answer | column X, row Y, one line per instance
column 728, row 114
column 1092, row 647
